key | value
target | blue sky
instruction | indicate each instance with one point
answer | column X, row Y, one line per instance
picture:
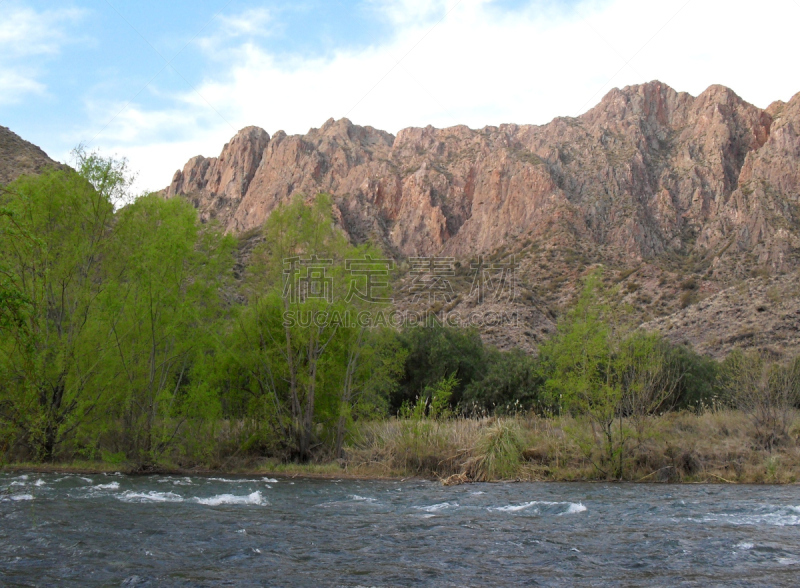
column 159, row 82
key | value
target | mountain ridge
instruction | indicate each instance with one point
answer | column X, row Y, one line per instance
column 682, row 199
column 660, row 187
column 634, row 172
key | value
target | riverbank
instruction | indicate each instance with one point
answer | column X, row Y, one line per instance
column 324, row 470
column 712, row 447
column 715, row 446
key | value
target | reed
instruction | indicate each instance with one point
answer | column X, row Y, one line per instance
column 716, row 445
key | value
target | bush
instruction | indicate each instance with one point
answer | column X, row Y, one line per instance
column 699, row 385
column 498, row 454
column 434, row 353
column 512, row 382
column 766, row 391
column 687, row 299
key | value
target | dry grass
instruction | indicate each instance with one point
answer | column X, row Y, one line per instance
column 719, row 446
column 715, row 446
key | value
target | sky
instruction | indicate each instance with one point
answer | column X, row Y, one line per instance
column 159, row 82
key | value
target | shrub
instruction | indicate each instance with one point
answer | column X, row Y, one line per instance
column 766, row 391
column 512, row 380
column 434, row 353
column 699, row 384
column 498, row 454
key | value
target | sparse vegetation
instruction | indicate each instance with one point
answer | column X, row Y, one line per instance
column 710, row 445
column 687, row 299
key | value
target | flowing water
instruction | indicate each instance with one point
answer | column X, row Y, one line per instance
column 112, row 530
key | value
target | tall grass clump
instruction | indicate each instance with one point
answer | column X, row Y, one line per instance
column 498, row 453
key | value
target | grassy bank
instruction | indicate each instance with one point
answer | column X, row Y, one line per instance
column 715, row 446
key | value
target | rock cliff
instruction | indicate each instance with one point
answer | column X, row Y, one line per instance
column 648, row 170
column 651, row 180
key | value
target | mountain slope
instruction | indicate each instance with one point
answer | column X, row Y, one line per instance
column 647, row 171
column 761, row 313
column 663, row 188
column 19, row 157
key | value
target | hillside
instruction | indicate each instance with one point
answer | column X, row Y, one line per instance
column 647, row 171
column 761, row 313
column 19, row 157
column 659, row 186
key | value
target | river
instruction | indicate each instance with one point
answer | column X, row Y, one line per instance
column 116, row 530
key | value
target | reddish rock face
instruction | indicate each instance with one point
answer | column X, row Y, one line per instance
column 647, row 171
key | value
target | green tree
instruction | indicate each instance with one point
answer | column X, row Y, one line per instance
column 513, row 381
column 14, row 309
column 580, row 363
column 307, row 351
column 598, row 369
column 163, row 300
column 110, row 176
column 53, row 346
column 435, row 352
column 14, row 304
column 699, row 385
column 374, row 364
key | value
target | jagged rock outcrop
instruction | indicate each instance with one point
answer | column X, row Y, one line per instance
column 762, row 214
column 19, row 157
column 647, row 170
column 650, row 179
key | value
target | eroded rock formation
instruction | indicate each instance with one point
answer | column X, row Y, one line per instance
column 647, row 170
column 650, row 179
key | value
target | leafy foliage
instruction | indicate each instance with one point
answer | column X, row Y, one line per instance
column 160, row 299
column 126, row 337
column 598, row 369
column 512, row 382
column 435, row 352
column 53, row 346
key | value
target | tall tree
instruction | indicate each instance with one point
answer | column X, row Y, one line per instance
column 307, row 346
column 51, row 254
column 598, row 368
column 162, row 298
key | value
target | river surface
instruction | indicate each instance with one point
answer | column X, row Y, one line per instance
column 115, row 530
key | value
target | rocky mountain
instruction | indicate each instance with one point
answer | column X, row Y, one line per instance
column 647, row 171
column 692, row 204
column 658, row 185
column 18, row 157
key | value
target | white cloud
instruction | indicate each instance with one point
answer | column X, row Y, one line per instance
column 251, row 24
column 25, row 34
column 401, row 12
column 15, row 84
column 256, row 21
column 480, row 66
